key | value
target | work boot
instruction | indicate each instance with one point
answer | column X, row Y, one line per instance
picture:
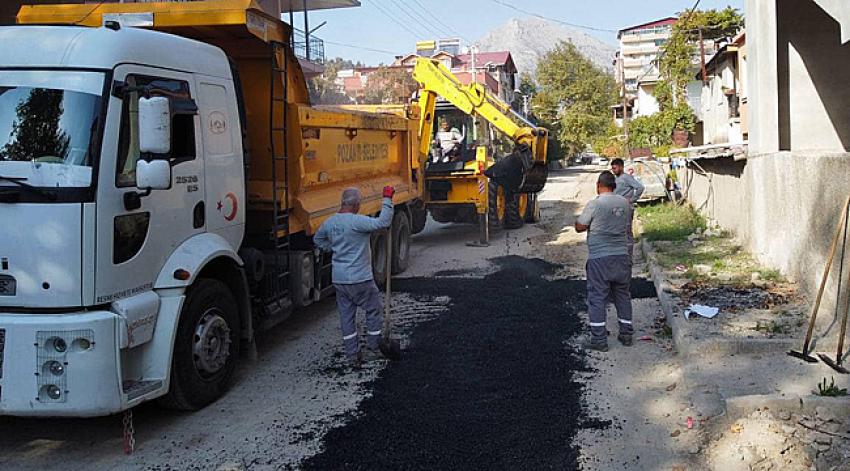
column 626, row 340
column 370, row 354
column 354, row 361
column 588, row 343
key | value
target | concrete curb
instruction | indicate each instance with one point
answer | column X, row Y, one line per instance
column 684, row 340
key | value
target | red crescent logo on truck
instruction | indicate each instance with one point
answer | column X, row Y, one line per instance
column 234, row 206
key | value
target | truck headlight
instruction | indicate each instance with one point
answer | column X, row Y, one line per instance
column 59, row 344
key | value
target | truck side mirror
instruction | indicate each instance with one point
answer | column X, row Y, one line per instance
column 153, row 175
column 154, row 125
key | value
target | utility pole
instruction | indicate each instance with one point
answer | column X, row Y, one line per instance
column 306, row 31
column 622, row 67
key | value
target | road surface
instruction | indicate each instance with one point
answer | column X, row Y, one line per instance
column 490, row 378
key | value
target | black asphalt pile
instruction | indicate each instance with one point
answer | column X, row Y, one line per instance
column 489, row 385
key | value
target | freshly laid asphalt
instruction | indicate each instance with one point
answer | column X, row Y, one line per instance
column 491, row 384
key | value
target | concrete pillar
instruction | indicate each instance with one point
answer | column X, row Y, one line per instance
column 762, row 74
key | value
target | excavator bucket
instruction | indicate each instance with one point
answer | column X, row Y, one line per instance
column 519, row 172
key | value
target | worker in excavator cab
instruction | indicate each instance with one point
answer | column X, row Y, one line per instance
column 447, row 146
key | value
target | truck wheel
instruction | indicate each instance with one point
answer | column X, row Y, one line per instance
column 496, row 205
column 532, row 212
column 401, row 243
column 517, row 204
column 206, row 347
column 418, row 218
column 379, row 258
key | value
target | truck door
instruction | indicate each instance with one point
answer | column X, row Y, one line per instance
column 135, row 239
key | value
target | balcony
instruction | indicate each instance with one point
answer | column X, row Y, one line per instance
column 311, row 51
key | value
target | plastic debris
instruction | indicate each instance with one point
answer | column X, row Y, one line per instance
column 705, row 311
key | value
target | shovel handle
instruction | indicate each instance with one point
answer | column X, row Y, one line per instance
column 389, row 268
column 825, row 276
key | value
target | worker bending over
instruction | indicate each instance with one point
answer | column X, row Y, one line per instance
column 631, row 189
column 348, row 235
column 609, row 266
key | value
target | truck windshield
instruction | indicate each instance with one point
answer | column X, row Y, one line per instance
column 48, row 124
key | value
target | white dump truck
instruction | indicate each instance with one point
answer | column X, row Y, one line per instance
column 161, row 176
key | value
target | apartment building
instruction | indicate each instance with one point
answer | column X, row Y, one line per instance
column 639, row 49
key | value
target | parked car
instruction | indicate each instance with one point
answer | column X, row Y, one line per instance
column 652, row 174
column 601, row 161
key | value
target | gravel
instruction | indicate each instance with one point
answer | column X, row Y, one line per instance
column 489, row 384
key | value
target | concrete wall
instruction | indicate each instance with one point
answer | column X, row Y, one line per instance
column 784, row 202
column 784, row 208
column 646, row 103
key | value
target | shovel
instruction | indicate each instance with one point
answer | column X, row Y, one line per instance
column 836, row 364
column 389, row 346
column 804, row 354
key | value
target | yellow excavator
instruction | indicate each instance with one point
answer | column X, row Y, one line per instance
column 480, row 184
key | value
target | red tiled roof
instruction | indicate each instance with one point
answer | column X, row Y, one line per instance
column 499, row 58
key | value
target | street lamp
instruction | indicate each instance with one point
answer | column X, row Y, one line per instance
column 526, row 99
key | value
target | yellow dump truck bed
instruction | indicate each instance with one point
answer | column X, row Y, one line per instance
column 328, row 149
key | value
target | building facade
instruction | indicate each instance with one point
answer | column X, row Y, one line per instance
column 784, row 198
column 637, row 57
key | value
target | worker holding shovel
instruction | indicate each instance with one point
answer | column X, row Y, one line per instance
column 348, row 235
column 609, row 266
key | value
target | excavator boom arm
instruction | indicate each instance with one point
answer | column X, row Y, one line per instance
column 436, row 80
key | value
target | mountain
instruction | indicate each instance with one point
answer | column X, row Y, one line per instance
column 528, row 39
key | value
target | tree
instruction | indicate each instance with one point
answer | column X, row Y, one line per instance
column 675, row 63
column 574, row 96
column 389, row 85
column 36, row 132
column 324, row 89
column 527, row 87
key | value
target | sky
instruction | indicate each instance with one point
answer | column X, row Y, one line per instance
column 380, row 29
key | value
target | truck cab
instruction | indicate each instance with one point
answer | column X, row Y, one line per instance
column 102, row 236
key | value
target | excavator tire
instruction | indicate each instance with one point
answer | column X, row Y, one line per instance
column 515, row 210
column 497, row 205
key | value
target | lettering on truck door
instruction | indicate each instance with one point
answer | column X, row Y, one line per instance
column 133, row 244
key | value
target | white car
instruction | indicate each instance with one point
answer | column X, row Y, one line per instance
column 601, row 161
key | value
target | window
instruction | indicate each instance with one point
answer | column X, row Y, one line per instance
column 183, row 111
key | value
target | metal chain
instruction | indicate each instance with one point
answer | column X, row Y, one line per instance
column 129, row 433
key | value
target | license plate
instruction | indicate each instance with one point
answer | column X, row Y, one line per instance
column 7, row 285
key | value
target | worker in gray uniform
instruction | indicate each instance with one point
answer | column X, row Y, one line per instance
column 609, row 267
column 631, row 189
column 348, row 235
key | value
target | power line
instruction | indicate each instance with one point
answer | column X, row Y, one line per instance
column 555, row 20
column 437, row 20
column 365, row 48
column 395, row 20
column 416, row 18
column 432, row 19
column 388, row 11
column 664, row 52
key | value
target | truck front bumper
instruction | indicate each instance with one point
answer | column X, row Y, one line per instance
column 59, row 364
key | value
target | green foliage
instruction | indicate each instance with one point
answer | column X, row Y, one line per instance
column 675, row 62
column 574, row 96
column 526, row 87
column 669, row 221
column 830, row 390
column 656, row 131
column 612, row 144
column 389, row 85
column 323, row 89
